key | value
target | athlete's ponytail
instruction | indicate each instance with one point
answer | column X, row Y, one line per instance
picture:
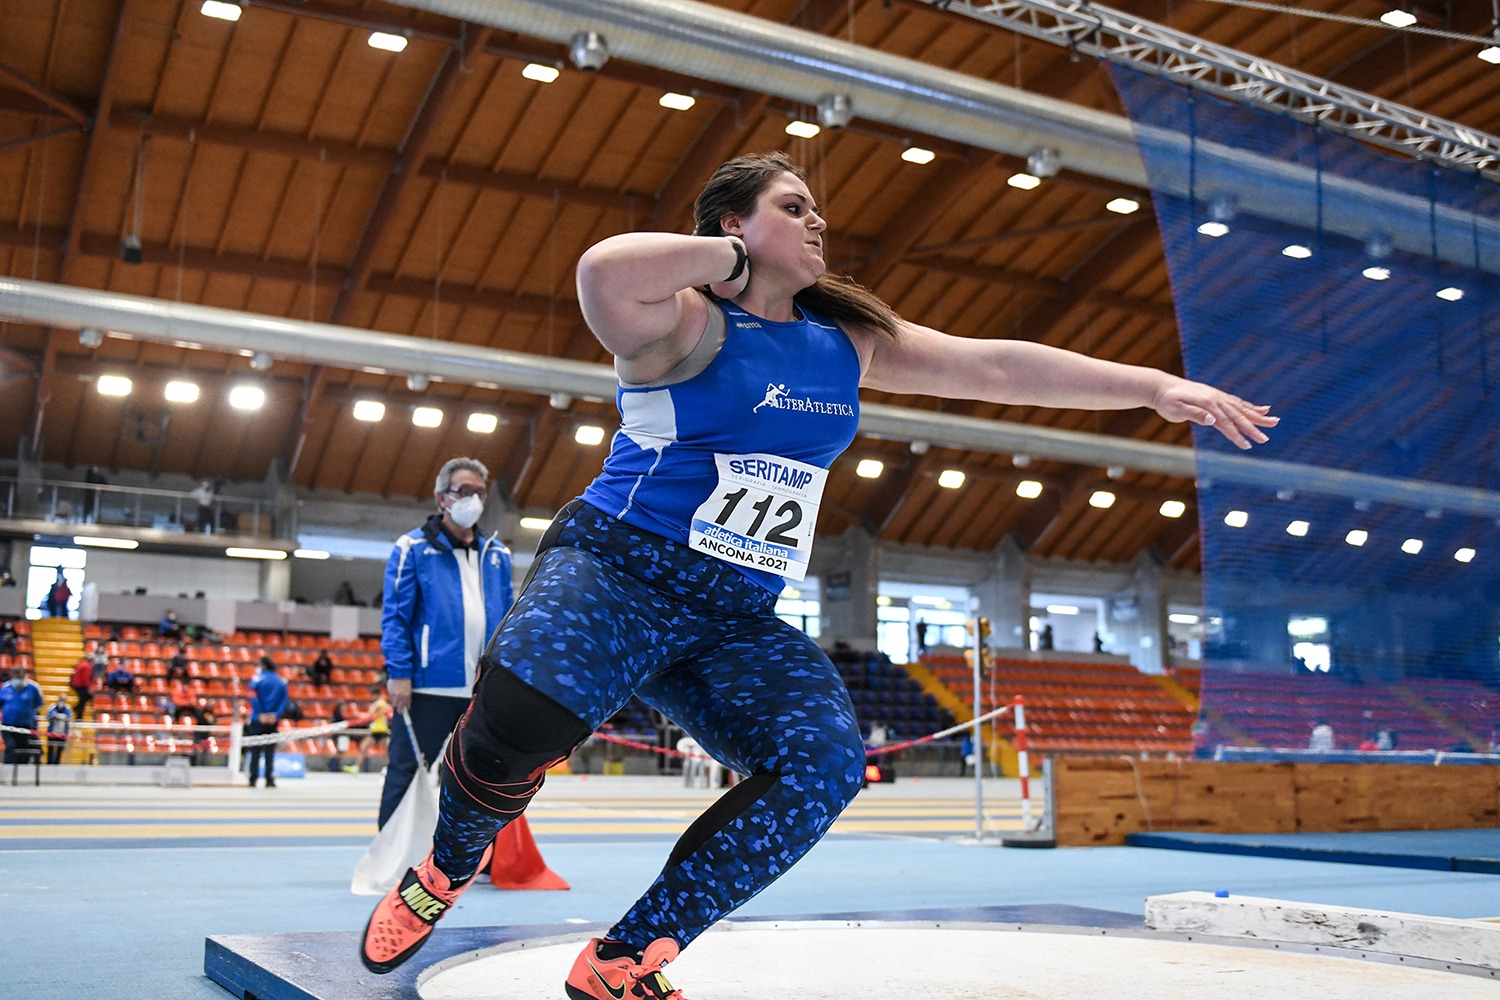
column 733, row 190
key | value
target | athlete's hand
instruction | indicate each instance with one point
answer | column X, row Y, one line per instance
column 1231, row 416
column 399, row 689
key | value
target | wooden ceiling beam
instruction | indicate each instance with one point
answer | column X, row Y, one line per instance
column 1089, row 277
column 952, row 181
column 86, row 171
column 410, row 159
column 250, row 138
column 52, row 101
column 299, row 147
column 895, row 487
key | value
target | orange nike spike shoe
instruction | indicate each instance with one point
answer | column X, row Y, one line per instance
column 595, row 978
column 404, row 918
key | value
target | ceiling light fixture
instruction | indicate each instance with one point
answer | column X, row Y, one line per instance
column 1491, row 55
column 1357, row 536
column 918, row 155
column 1450, row 294
column 540, row 72
column 1296, row 251
column 536, row 523
column 802, row 129
column 951, row 479
column 426, row 416
column 483, row 423
column 1398, row 18
column 1412, row 546
column 100, row 542
column 261, row 361
column 311, row 554
column 221, row 11
column 1237, row 519
column 1172, row 508
column 1123, row 206
column 1298, row 529
column 588, row 434
column 869, row 468
column 1028, row 489
column 676, row 101
column 1103, row 499
column 238, row 552
column 1214, row 229
column 247, row 397
column 1024, row 181
column 178, row 391
column 1376, row 273
column 113, row 385
column 1465, row 554
column 387, row 42
column 370, row 411
column 91, row 337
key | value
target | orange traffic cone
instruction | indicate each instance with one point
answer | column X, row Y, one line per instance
column 517, row 864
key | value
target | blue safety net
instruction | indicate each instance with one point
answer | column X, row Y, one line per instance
column 1351, row 567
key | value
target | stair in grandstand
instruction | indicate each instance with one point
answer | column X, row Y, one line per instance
column 56, row 648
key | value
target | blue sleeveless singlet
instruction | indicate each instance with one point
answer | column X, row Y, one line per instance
column 774, row 389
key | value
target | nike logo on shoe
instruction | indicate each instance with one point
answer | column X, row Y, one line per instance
column 618, row 992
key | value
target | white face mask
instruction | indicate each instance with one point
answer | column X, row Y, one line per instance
column 466, row 510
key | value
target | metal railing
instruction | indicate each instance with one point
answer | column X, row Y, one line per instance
column 69, row 502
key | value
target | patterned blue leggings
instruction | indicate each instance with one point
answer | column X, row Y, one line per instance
column 612, row 611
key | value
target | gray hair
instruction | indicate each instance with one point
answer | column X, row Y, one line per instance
column 445, row 474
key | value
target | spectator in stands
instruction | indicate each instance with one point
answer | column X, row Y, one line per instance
column 1321, row 738
column 169, row 627
column 1386, row 738
column 177, row 666
column 345, row 594
column 94, row 477
column 378, row 721
column 59, row 724
column 100, row 658
column 20, row 701
column 1044, row 637
column 56, row 604
column 82, row 683
column 446, row 590
column 6, row 579
column 8, row 638
column 321, row 671
column 627, row 596
column 120, row 679
column 203, row 495
column 921, row 635
column 268, row 700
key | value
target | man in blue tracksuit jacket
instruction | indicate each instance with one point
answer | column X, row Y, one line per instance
column 268, row 701
column 446, row 590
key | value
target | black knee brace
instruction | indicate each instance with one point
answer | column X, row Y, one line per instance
column 506, row 741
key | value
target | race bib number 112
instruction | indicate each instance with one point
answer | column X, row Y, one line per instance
column 761, row 514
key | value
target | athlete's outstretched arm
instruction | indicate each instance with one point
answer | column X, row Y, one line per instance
column 1017, row 372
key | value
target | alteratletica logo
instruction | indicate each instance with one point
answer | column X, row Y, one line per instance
column 777, row 398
